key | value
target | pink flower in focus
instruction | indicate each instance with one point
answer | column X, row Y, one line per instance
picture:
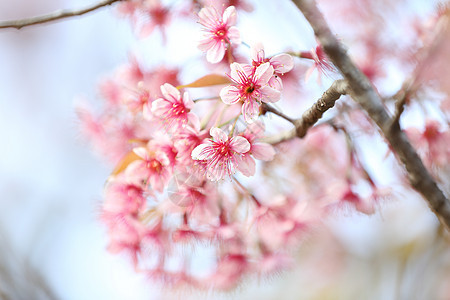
column 220, row 32
column 173, row 109
column 250, row 87
column 153, row 168
column 222, row 154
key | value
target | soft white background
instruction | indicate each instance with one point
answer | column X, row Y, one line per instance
column 50, row 181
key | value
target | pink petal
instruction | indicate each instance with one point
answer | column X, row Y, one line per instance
column 234, row 35
column 136, row 172
column 246, row 164
column 188, row 103
column 263, row 73
column 263, row 151
column 162, row 158
column 218, row 134
column 239, row 144
column 200, row 152
column 250, row 110
column 208, row 17
column 170, row 92
column 230, row 94
column 255, row 129
column 276, row 83
column 141, row 152
column 194, row 120
column 216, row 53
column 159, row 107
column 206, row 44
column 269, row 94
column 157, row 183
column 237, row 70
column 230, row 16
column 282, row 63
column 257, row 52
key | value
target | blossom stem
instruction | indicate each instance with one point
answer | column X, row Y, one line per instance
column 247, row 193
column 234, row 126
column 57, row 15
column 362, row 91
column 206, row 98
column 268, row 108
column 314, row 113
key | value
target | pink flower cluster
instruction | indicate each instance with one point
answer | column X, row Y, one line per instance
column 199, row 171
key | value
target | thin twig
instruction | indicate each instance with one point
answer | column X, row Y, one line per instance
column 313, row 114
column 424, row 57
column 363, row 93
column 268, row 108
column 61, row 14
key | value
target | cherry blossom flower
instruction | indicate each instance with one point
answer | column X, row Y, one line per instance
column 222, row 154
column 123, row 198
column 172, row 108
column 432, row 143
column 153, row 168
column 281, row 63
column 220, row 32
column 251, row 88
column 186, row 139
column 146, row 15
column 321, row 62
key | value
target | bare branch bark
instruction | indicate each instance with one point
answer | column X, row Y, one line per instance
column 361, row 90
column 313, row 114
column 57, row 15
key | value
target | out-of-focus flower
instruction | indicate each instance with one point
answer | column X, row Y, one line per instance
column 432, row 143
column 219, row 32
column 152, row 169
column 172, row 108
column 321, row 63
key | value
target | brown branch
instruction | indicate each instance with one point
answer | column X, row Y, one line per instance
column 363, row 93
column 61, row 14
column 313, row 114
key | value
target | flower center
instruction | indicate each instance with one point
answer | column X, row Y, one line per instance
column 249, row 89
column 154, row 165
column 177, row 109
column 221, row 32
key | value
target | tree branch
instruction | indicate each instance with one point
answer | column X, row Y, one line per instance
column 313, row 114
column 61, row 14
column 363, row 93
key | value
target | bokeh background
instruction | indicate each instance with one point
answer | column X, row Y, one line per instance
column 52, row 245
